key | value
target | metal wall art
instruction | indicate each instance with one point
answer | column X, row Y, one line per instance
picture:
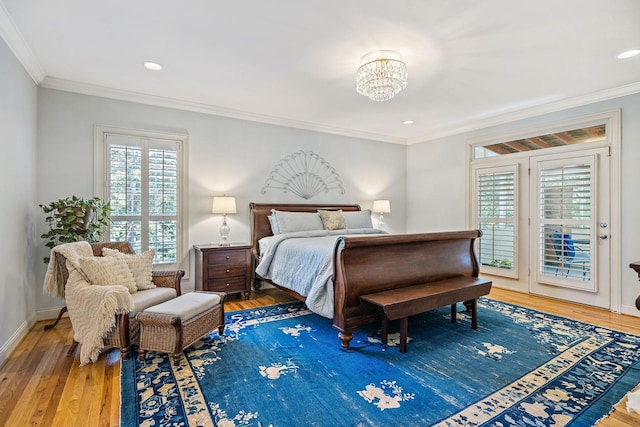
column 304, row 174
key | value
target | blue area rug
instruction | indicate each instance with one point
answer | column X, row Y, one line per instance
column 283, row 366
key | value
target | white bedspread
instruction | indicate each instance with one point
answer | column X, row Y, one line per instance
column 303, row 262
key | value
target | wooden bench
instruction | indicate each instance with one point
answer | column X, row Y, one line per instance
column 400, row 303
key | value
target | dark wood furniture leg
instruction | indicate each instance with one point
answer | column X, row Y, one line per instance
column 53, row 325
column 474, row 314
column 384, row 330
column 345, row 338
column 454, row 314
column 404, row 331
column 123, row 330
column 72, row 349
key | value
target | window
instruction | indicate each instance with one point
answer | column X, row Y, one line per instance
column 142, row 176
column 495, row 205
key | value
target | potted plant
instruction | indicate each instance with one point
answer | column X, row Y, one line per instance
column 73, row 219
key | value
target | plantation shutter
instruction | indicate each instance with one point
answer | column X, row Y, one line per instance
column 495, row 207
column 143, row 186
column 565, row 203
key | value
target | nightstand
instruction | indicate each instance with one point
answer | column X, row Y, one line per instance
column 224, row 268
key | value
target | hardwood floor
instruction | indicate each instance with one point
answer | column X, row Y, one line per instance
column 41, row 385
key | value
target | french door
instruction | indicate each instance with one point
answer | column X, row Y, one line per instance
column 569, row 209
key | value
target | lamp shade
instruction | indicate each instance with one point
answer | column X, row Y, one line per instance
column 224, row 205
column 381, row 206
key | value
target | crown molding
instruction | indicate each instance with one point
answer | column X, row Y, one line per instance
column 159, row 101
column 12, row 37
column 466, row 126
column 527, row 113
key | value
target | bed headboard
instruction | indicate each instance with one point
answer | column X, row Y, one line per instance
column 260, row 226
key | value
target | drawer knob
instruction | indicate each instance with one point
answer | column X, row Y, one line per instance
column 227, row 285
column 228, row 271
column 227, row 256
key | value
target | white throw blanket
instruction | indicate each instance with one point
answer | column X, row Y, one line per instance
column 92, row 309
column 53, row 280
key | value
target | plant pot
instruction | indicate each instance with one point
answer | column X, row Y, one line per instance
column 78, row 218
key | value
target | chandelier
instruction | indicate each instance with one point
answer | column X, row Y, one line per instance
column 382, row 75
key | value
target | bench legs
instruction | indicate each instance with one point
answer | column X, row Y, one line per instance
column 404, row 331
column 472, row 305
column 384, row 330
column 474, row 314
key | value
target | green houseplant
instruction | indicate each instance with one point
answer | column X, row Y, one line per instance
column 74, row 218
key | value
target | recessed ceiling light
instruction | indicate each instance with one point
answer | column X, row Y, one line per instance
column 629, row 53
column 153, row 66
column 407, row 122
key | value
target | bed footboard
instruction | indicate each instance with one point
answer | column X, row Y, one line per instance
column 369, row 264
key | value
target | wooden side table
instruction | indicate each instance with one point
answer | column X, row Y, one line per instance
column 224, row 268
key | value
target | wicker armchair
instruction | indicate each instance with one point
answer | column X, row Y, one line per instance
column 127, row 329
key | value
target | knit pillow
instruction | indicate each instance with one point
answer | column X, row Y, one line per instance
column 332, row 220
column 107, row 271
column 140, row 266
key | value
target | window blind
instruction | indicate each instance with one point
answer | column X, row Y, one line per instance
column 496, row 215
column 143, row 185
column 565, row 203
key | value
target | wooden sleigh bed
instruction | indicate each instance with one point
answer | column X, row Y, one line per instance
column 367, row 264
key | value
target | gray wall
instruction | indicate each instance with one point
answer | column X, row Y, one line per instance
column 49, row 142
column 227, row 156
column 18, row 109
column 443, row 161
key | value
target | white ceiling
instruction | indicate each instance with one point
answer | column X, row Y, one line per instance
column 293, row 62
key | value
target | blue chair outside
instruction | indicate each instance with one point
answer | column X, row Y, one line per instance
column 567, row 255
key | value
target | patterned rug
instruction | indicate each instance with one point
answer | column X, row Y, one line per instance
column 283, row 366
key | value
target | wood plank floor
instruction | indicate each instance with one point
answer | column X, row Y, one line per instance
column 41, row 385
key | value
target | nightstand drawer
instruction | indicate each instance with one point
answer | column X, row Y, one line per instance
column 225, row 257
column 222, row 271
column 232, row 284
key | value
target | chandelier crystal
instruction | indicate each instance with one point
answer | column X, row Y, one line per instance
column 382, row 75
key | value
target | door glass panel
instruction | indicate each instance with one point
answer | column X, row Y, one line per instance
column 496, row 218
column 565, row 203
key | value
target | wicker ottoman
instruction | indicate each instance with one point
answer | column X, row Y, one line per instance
column 172, row 326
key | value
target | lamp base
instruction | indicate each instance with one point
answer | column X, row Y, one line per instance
column 224, row 232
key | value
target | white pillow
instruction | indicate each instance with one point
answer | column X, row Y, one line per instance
column 289, row 222
column 107, row 271
column 140, row 266
column 358, row 219
column 274, row 224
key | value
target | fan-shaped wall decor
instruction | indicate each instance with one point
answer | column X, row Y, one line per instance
column 304, row 174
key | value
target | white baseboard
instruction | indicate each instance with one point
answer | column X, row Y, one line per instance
column 14, row 340
column 49, row 314
column 631, row 310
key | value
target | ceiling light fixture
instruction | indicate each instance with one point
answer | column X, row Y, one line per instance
column 407, row 122
column 629, row 53
column 153, row 66
column 382, row 75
